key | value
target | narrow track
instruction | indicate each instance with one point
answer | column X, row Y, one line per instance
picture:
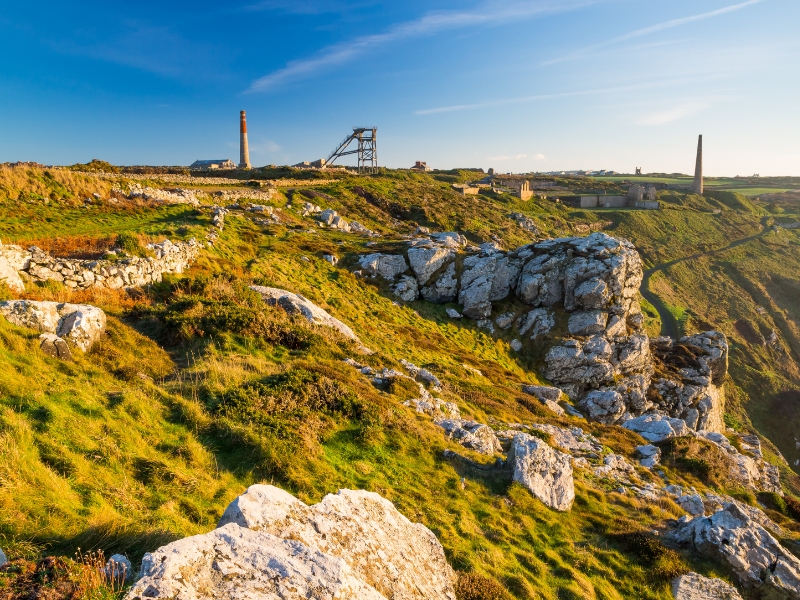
column 669, row 324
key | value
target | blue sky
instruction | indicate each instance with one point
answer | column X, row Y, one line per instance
column 515, row 85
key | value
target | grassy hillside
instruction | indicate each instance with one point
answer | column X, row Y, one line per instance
column 199, row 390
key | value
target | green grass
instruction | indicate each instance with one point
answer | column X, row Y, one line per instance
column 201, row 390
column 754, row 191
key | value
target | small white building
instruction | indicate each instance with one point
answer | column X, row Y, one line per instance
column 222, row 163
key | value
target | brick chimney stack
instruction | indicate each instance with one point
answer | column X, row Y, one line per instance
column 244, row 151
column 697, row 186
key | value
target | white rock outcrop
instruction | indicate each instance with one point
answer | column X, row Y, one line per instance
column 80, row 324
column 656, row 427
column 471, row 434
column 546, row 472
column 383, row 549
column 693, row 586
column 10, row 276
column 387, row 266
column 757, row 559
column 235, row 562
column 748, row 469
column 693, row 371
column 295, row 304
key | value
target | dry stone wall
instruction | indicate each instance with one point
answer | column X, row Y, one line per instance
column 129, row 272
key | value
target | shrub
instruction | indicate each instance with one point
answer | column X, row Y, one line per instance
column 792, row 507
column 774, row 502
column 473, row 586
column 130, row 243
column 663, row 563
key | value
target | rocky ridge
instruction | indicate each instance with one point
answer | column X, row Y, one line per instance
column 604, row 361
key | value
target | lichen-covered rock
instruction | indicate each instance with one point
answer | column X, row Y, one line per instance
column 387, row 266
column 445, row 287
column 547, row 395
column 235, row 562
column 656, row 427
column 755, row 556
column 749, row 470
column 692, row 586
column 538, row 322
column 119, row 569
column 406, row 289
column 80, row 324
column 297, row 304
column 574, row 440
column 616, row 468
column 587, row 322
column 10, row 276
column 546, row 472
column 383, row 549
column 471, row 434
column 426, row 261
column 603, row 406
column 690, row 383
column 54, row 346
column 649, row 455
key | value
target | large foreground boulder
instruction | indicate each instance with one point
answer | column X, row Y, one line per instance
column 400, row 559
column 756, row 557
column 295, row 304
column 692, row 586
column 234, row 562
column 80, row 324
column 546, row 472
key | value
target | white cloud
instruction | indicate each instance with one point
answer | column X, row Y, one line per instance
column 539, row 156
column 523, row 99
column 653, row 29
column 673, row 114
column 521, row 156
column 488, row 14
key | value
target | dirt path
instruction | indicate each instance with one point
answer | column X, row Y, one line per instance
column 669, row 324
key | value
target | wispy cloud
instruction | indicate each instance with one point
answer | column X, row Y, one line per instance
column 673, row 114
column 653, row 29
column 524, row 99
column 488, row 14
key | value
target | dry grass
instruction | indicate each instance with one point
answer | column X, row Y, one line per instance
column 76, row 246
column 49, row 183
column 108, row 299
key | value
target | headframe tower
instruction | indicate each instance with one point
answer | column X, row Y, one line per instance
column 367, row 150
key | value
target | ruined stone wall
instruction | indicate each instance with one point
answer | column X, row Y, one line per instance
column 114, row 274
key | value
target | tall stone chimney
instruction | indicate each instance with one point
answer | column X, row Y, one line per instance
column 244, row 151
column 697, row 187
